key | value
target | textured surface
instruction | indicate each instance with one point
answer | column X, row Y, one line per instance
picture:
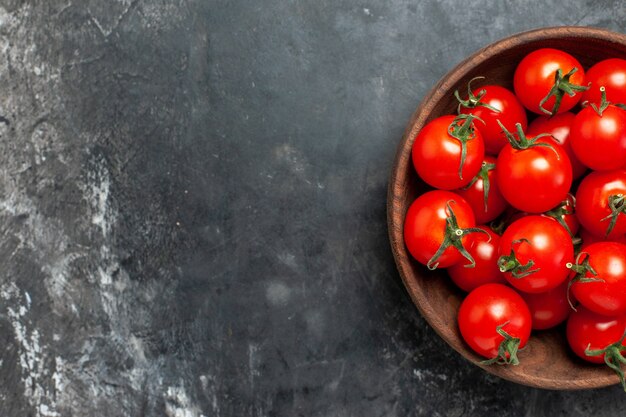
column 192, row 208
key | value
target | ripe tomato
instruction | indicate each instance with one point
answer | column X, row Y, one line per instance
column 483, row 193
column 437, row 152
column 559, row 126
column 484, row 250
column 549, row 81
column 488, row 315
column 491, row 104
column 610, row 73
column 600, row 283
column 534, row 174
column 598, row 137
column 436, row 227
column 599, row 203
column 534, row 253
column 549, row 308
column 588, row 331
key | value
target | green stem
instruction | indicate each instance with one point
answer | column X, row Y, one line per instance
column 462, row 129
column 613, row 357
column 507, row 350
column 511, row 263
column 582, row 268
column 453, row 236
column 617, row 206
column 522, row 142
column 473, row 101
column 562, row 86
column 483, row 175
column 558, row 213
column 603, row 102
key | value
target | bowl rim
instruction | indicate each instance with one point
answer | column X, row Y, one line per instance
column 399, row 174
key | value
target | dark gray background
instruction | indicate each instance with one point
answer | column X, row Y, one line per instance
column 192, row 208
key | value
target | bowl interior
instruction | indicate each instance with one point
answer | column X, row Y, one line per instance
column 546, row 362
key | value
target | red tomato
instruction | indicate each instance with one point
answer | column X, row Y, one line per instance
column 483, row 193
column 605, row 264
column 437, row 153
column 545, row 78
column 598, row 137
column 534, row 253
column 491, row 104
column 484, row 250
column 599, row 204
column 588, row 331
column 559, row 126
column 488, row 309
column 430, row 218
column 549, row 308
column 535, row 175
column 610, row 73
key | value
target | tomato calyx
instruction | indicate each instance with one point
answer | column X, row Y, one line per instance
column 462, row 129
column 452, row 237
column 604, row 103
column 483, row 174
column 559, row 212
column 561, row 86
column 522, row 142
column 473, row 101
column 617, row 205
column 581, row 267
column 613, row 357
column 507, row 350
column 510, row 263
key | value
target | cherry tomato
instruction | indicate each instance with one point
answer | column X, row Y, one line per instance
column 535, row 176
column 600, row 283
column 587, row 330
column 599, row 204
column 549, row 308
column 559, row 126
column 474, row 193
column 492, row 103
column 484, row 250
column 534, row 81
column 534, row 253
column 437, row 153
column 489, row 308
column 610, row 73
column 598, row 137
column 430, row 218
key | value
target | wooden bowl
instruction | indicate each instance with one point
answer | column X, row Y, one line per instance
column 546, row 362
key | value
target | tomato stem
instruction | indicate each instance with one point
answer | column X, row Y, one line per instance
column 507, row 350
column 453, row 236
column 483, row 175
column 613, row 357
column 562, row 86
column 603, row 103
column 559, row 212
column 462, row 129
column 521, row 142
column 581, row 268
column 473, row 101
column 617, row 206
column 511, row 263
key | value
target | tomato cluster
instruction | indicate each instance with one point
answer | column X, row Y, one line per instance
column 528, row 207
